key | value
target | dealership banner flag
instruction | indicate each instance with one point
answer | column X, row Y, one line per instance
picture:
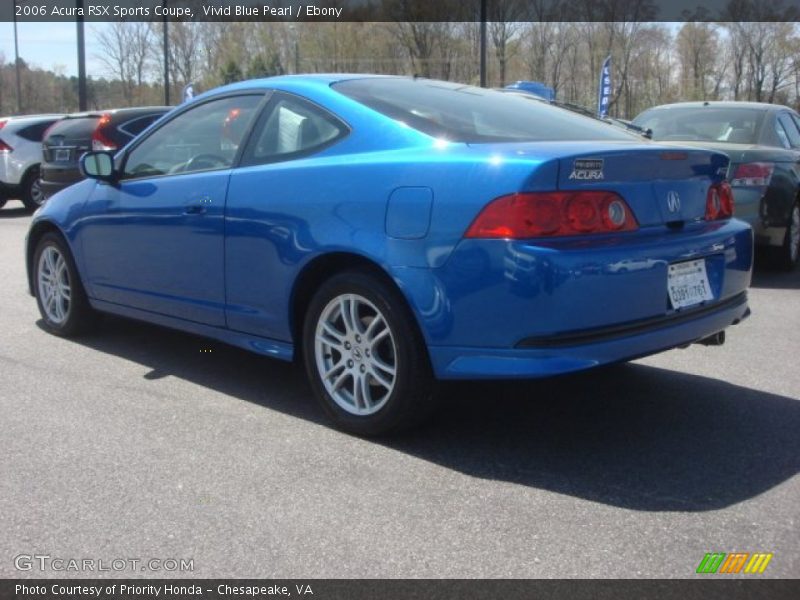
column 604, row 91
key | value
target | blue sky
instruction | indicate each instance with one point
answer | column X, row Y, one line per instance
column 51, row 46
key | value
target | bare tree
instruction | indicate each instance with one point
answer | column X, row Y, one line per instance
column 781, row 53
column 503, row 28
column 186, row 50
column 696, row 46
column 114, row 43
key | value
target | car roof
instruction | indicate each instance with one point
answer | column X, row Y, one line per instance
column 722, row 103
column 319, row 80
column 118, row 111
column 16, row 118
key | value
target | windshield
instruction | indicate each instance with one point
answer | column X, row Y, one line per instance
column 703, row 123
column 460, row 113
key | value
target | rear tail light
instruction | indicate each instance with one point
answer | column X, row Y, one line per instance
column 100, row 139
column 548, row 214
column 719, row 201
column 3, row 123
column 754, row 174
column 5, row 147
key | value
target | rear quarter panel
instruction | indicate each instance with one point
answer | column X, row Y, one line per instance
column 280, row 217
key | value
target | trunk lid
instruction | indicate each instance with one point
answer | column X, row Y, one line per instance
column 69, row 138
column 660, row 183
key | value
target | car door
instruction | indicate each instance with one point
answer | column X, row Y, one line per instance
column 273, row 199
column 787, row 175
column 791, row 125
column 154, row 240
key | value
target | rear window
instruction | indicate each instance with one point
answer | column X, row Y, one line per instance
column 703, row 123
column 75, row 128
column 468, row 114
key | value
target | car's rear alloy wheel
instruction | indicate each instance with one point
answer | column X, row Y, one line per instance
column 62, row 302
column 365, row 356
column 32, row 193
column 355, row 354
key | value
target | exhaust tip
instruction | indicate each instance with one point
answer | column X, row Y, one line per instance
column 716, row 339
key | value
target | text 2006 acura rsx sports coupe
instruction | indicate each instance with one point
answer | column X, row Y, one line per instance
column 391, row 231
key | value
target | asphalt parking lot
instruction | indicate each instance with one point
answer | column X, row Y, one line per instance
column 137, row 441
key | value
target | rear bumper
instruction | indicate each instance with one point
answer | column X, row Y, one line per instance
column 524, row 362
column 502, row 308
column 54, row 179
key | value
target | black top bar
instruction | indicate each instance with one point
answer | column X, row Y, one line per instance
column 404, row 10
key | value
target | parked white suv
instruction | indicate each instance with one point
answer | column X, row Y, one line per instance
column 20, row 156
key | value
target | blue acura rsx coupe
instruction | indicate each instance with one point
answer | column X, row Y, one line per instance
column 392, row 231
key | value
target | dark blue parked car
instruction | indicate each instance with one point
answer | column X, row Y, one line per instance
column 391, row 231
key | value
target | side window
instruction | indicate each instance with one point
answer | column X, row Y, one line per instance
column 791, row 129
column 136, row 126
column 35, row 132
column 203, row 138
column 781, row 132
column 290, row 128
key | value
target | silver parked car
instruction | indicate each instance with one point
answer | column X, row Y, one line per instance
column 20, row 157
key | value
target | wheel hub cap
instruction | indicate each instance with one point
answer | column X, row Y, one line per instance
column 355, row 354
column 54, row 287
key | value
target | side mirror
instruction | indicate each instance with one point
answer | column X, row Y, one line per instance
column 98, row 165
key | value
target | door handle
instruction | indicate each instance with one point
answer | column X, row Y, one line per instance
column 194, row 209
column 197, row 204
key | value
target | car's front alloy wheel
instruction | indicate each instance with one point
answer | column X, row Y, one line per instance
column 365, row 356
column 60, row 296
column 54, row 285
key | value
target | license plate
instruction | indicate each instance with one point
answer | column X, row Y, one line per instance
column 687, row 284
column 62, row 154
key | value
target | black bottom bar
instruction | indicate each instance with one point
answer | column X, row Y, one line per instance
column 710, row 587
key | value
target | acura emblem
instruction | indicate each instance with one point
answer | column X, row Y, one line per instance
column 673, row 201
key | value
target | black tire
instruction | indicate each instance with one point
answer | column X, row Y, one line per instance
column 31, row 191
column 786, row 257
column 78, row 315
column 3, row 202
column 411, row 397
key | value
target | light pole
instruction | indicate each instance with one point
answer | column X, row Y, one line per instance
column 483, row 43
column 81, row 58
column 166, row 55
column 16, row 60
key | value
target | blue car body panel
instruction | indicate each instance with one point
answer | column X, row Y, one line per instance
column 218, row 253
column 169, row 255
